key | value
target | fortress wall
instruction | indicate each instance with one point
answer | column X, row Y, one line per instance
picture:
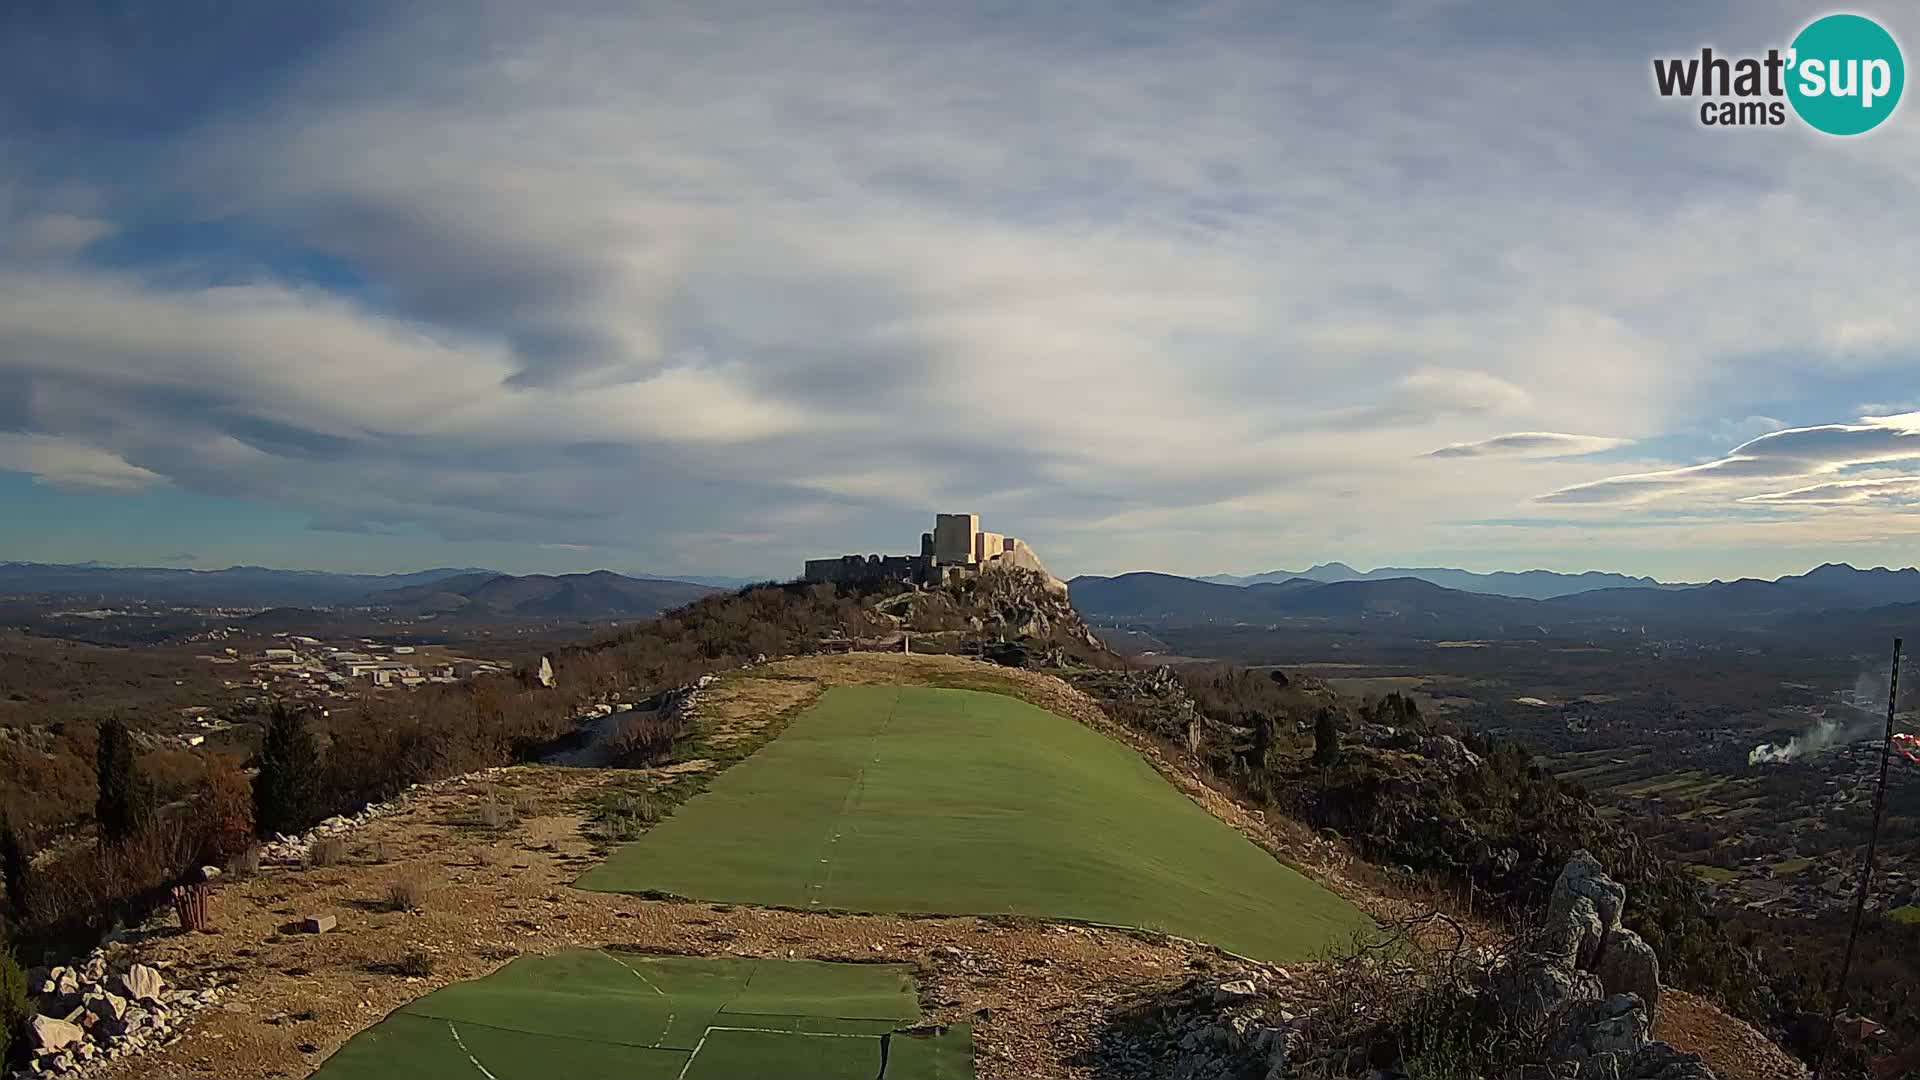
column 953, row 537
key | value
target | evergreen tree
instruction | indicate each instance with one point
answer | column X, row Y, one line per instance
column 286, row 794
column 1326, row 738
column 122, row 806
column 13, row 866
column 16, row 1009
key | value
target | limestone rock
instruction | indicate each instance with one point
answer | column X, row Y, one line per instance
column 1542, row 987
column 1627, row 965
column 1236, row 990
column 1617, row 1026
column 143, row 984
column 49, row 1035
column 105, row 1007
column 318, row 924
column 1659, row 1061
column 544, row 673
column 1583, row 911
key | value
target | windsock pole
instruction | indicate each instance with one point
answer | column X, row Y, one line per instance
column 1866, row 871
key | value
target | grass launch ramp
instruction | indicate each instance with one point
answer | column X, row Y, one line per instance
column 913, row 799
column 602, row 1015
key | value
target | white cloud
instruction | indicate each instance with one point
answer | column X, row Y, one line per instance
column 70, row 464
column 1549, row 444
column 1766, row 462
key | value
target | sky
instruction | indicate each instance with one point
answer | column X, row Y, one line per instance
column 712, row 288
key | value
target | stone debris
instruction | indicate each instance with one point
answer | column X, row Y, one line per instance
column 318, row 924
column 100, row 1010
column 292, row 850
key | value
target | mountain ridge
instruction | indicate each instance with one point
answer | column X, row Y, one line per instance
column 1521, row 584
column 1829, row 588
column 600, row 593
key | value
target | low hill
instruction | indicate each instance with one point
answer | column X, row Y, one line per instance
column 600, row 594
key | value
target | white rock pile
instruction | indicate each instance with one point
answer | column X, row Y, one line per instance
column 294, row 849
column 99, row 1011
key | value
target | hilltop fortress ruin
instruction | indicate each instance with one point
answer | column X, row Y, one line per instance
column 956, row 548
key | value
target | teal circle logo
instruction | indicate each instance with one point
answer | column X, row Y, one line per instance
column 1845, row 74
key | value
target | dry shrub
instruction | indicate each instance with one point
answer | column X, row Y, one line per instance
column 416, row 964
column 493, row 815
column 89, row 887
column 379, row 852
column 1417, row 989
column 225, row 806
column 624, row 815
column 526, row 806
column 642, row 739
column 246, row 863
column 407, row 894
column 328, row 851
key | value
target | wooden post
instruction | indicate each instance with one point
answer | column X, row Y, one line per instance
column 190, row 902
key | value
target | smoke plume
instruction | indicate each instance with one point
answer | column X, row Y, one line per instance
column 1825, row 733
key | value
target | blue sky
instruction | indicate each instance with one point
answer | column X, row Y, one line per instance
column 711, row 288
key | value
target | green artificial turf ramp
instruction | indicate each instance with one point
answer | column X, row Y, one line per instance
column 889, row 798
column 615, row 1015
column 739, row 1055
column 947, row 1056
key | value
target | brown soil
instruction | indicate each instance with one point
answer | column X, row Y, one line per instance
column 1731, row 1048
column 1035, row 992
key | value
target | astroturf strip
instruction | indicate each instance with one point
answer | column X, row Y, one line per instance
column 457, row 1041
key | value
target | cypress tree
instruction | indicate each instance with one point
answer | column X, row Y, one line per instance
column 120, row 808
column 13, row 864
column 1326, row 738
column 286, row 794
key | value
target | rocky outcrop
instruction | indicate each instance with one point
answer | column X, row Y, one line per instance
column 1589, row 986
column 1579, row 997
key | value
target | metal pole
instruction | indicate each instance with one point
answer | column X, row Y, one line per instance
column 1866, row 871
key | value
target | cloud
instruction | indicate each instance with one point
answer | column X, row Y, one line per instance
column 568, row 547
column 48, row 235
column 1845, row 492
column 69, row 464
column 1794, row 453
column 817, row 272
column 1532, row 444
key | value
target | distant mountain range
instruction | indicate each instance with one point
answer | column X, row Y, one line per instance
column 470, row 589
column 1408, row 602
column 236, row 586
column 1525, row 584
column 602, row 593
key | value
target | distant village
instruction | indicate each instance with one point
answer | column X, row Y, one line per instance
column 304, row 662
